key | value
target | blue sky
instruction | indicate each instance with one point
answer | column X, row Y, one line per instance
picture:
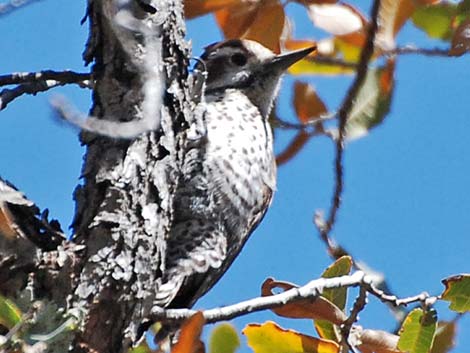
column 406, row 199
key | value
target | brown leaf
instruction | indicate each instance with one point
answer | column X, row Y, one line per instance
column 234, row 21
column 267, row 25
column 307, row 103
column 311, row 2
column 195, row 8
column 392, row 16
column 444, row 340
column 317, row 308
column 293, row 148
column 189, row 340
column 461, row 39
column 378, row 341
column 8, row 227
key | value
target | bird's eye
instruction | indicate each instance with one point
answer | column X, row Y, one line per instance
column 238, row 59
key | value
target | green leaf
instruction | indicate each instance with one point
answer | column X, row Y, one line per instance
column 417, row 331
column 457, row 292
column 327, row 330
column 141, row 348
column 372, row 103
column 337, row 296
column 224, row 339
column 340, row 267
column 10, row 315
column 436, row 20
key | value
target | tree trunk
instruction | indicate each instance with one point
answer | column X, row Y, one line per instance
column 107, row 277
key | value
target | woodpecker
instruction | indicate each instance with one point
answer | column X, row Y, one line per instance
column 229, row 174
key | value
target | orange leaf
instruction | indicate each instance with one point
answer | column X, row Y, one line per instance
column 316, row 308
column 267, row 25
column 8, row 227
column 234, row 21
column 295, row 44
column 307, row 103
column 195, row 8
column 386, row 78
column 262, row 21
column 293, row 148
column 356, row 39
column 189, row 340
column 269, row 338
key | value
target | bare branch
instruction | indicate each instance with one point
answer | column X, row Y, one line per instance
column 10, row 6
column 343, row 113
column 64, row 77
column 308, row 291
column 35, row 82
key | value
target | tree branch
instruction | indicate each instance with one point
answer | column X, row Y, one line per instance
column 7, row 95
column 308, row 291
column 63, row 77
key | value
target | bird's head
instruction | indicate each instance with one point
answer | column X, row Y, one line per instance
column 247, row 66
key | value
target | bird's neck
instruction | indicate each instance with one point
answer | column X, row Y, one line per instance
column 262, row 96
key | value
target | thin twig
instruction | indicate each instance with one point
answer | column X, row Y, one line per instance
column 423, row 298
column 319, row 59
column 359, row 305
column 403, row 50
column 284, row 124
column 343, row 113
column 411, row 49
column 64, row 77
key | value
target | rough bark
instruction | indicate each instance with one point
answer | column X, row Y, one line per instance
column 106, row 278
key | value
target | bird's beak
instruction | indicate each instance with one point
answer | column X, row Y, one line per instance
column 283, row 61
